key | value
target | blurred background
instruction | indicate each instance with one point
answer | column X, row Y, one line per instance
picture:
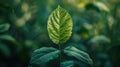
column 23, row 28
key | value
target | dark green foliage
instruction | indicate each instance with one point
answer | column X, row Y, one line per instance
column 43, row 55
column 4, row 27
column 67, row 64
column 78, row 54
column 5, row 50
column 23, row 29
column 40, row 57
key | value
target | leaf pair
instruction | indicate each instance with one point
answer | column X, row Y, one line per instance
column 45, row 54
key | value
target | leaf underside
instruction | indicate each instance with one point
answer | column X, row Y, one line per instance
column 44, row 55
column 59, row 25
column 67, row 64
column 78, row 54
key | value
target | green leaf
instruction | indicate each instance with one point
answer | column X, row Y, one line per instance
column 59, row 25
column 8, row 38
column 101, row 39
column 78, row 54
column 67, row 64
column 101, row 6
column 4, row 27
column 43, row 55
column 4, row 49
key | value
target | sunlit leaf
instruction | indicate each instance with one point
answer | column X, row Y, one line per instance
column 98, row 6
column 102, row 6
column 67, row 64
column 59, row 25
column 78, row 54
column 4, row 27
column 43, row 55
column 100, row 39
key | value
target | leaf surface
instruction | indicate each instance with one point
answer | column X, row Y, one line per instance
column 67, row 64
column 78, row 54
column 59, row 25
column 43, row 55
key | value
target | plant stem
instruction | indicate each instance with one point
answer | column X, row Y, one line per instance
column 58, row 2
column 60, row 55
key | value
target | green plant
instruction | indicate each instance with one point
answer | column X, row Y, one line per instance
column 6, row 38
column 60, row 29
